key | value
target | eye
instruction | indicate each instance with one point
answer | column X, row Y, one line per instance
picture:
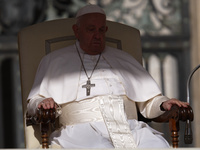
column 102, row 30
column 91, row 29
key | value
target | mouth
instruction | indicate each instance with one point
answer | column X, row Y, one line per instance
column 96, row 43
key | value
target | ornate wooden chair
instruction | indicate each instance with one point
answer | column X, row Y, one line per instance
column 40, row 39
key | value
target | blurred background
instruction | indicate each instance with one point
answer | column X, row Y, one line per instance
column 170, row 34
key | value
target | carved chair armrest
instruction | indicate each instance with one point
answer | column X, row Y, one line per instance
column 43, row 117
column 175, row 115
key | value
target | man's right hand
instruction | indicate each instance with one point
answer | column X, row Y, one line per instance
column 47, row 103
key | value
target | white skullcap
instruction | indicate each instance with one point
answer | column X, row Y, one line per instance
column 89, row 9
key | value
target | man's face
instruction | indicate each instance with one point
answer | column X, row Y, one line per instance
column 90, row 31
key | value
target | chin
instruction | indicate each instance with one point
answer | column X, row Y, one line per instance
column 94, row 52
column 98, row 50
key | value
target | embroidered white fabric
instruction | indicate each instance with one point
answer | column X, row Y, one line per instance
column 112, row 109
column 114, row 131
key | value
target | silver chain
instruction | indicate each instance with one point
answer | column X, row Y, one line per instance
column 84, row 66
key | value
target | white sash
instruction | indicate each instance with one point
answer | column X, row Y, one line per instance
column 109, row 109
column 112, row 109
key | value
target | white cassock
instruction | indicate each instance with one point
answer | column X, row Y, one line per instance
column 102, row 119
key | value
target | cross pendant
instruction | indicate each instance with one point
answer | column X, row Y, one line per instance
column 88, row 85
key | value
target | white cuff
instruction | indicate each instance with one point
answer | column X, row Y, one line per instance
column 33, row 105
column 151, row 108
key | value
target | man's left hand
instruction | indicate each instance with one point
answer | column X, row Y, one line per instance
column 168, row 104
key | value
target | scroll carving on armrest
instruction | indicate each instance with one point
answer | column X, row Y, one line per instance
column 177, row 113
column 172, row 113
column 42, row 116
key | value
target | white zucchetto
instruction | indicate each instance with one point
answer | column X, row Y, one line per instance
column 89, row 9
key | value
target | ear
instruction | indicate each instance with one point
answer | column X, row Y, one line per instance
column 106, row 28
column 75, row 29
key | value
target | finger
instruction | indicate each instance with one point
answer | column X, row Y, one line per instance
column 179, row 103
column 39, row 105
column 166, row 105
column 43, row 104
column 184, row 104
column 52, row 103
column 169, row 107
column 46, row 104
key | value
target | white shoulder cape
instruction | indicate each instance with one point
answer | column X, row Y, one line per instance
column 58, row 75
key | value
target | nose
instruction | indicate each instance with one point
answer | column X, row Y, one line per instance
column 97, row 34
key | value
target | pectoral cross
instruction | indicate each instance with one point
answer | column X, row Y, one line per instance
column 88, row 85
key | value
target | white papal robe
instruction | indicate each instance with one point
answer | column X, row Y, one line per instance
column 60, row 76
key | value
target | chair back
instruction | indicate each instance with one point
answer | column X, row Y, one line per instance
column 40, row 39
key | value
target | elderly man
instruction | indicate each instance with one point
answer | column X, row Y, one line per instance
column 98, row 89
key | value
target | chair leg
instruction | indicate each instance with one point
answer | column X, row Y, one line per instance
column 45, row 117
column 45, row 137
column 174, row 128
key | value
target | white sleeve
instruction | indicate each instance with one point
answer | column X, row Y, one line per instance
column 151, row 108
